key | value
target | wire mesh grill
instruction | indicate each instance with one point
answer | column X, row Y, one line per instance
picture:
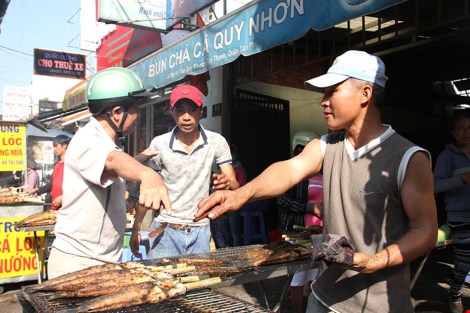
column 198, row 301
column 232, row 257
column 194, row 301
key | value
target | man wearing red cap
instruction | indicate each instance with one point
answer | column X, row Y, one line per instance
column 184, row 159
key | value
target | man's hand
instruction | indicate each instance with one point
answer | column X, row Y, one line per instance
column 153, row 192
column 135, row 242
column 220, row 181
column 32, row 191
column 364, row 263
column 220, row 202
column 145, row 155
column 465, row 177
column 57, row 202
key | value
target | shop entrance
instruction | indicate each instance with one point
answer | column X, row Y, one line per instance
column 259, row 127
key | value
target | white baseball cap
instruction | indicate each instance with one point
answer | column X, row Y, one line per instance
column 355, row 64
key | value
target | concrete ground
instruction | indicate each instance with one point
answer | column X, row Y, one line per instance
column 429, row 294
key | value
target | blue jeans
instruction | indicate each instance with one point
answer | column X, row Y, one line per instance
column 173, row 242
column 231, row 229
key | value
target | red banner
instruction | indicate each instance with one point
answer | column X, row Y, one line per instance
column 126, row 45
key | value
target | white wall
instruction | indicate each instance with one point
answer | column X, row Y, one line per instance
column 214, row 85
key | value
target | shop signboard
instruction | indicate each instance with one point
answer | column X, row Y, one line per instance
column 126, row 45
column 152, row 14
column 17, row 251
column 59, row 64
column 48, row 152
column 75, row 96
column 258, row 26
column 16, row 103
column 12, row 146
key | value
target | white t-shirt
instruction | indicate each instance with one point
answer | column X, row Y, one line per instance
column 92, row 220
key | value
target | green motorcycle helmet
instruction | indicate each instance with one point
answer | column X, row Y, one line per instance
column 114, row 86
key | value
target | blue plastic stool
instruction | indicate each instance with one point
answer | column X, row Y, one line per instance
column 254, row 227
column 127, row 254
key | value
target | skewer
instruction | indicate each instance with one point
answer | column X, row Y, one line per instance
column 168, row 267
column 203, row 283
column 303, row 241
column 191, row 279
column 181, row 270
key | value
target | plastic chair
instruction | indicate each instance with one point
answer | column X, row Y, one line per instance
column 254, row 227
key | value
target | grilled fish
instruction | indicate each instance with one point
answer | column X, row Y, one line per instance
column 39, row 219
column 77, row 275
column 219, row 271
column 278, row 252
column 148, row 292
column 119, row 276
column 109, row 286
column 194, row 261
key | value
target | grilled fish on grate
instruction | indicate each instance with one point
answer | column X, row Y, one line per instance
column 194, row 261
column 219, row 271
column 39, row 219
column 274, row 253
column 106, row 278
column 99, row 288
column 94, row 273
column 147, row 292
column 78, row 275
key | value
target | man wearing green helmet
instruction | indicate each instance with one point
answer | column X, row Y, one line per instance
column 91, row 223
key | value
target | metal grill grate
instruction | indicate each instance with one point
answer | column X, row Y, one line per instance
column 198, row 301
column 195, row 301
column 232, row 256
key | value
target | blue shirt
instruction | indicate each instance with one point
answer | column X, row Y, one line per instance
column 450, row 164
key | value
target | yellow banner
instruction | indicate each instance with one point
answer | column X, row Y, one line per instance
column 12, row 146
column 17, row 254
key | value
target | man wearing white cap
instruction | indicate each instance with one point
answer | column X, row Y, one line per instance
column 377, row 192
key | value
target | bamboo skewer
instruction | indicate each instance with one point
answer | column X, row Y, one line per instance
column 182, row 270
column 203, row 283
column 190, row 279
column 169, row 267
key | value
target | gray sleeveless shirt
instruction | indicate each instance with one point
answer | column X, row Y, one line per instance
column 361, row 194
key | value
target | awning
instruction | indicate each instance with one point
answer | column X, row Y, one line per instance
column 255, row 27
column 76, row 117
column 34, row 131
column 59, row 114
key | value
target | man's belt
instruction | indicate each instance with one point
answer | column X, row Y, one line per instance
column 157, row 231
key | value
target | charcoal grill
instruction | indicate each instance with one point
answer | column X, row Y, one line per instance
column 248, row 274
column 254, row 274
column 198, row 301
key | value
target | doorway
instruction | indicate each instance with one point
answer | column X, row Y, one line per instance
column 259, row 127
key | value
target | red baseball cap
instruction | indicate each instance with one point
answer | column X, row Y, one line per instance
column 186, row 92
